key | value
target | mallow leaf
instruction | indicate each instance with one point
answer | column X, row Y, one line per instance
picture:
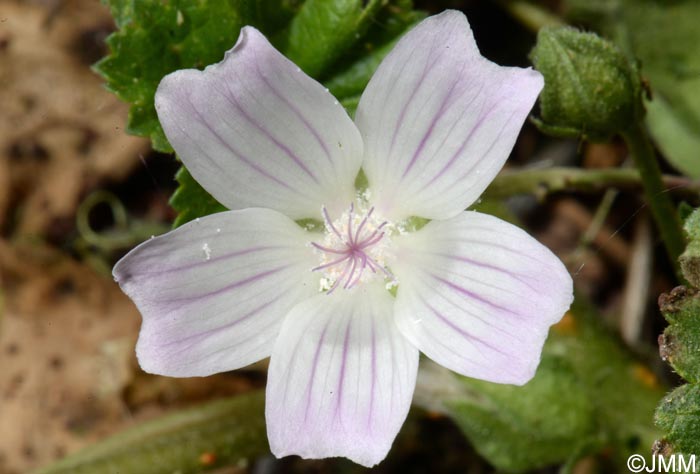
column 679, row 416
column 679, row 345
column 690, row 259
column 589, row 396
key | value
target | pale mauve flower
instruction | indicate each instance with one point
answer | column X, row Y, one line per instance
column 344, row 311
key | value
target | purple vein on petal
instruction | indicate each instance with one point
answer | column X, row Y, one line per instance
column 294, row 355
column 462, row 332
column 474, row 296
column 429, row 132
column 202, row 335
column 211, row 260
column 446, row 103
column 231, row 98
column 296, row 112
column 233, row 286
column 341, row 377
column 494, row 244
column 402, row 115
column 196, row 360
column 480, row 121
column 440, row 341
column 456, row 122
column 394, row 374
column 493, row 144
column 473, row 315
column 237, row 153
column 373, row 375
column 460, row 181
column 314, row 366
column 479, row 281
column 516, row 276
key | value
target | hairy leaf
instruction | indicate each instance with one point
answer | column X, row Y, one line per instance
column 589, row 396
column 679, row 416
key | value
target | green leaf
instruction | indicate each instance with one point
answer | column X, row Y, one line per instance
column 158, row 37
column 122, row 11
column 680, row 342
column 665, row 36
column 678, row 413
column 191, row 200
column 324, row 30
column 272, row 16
column 220, row 433
column 350, row 81
column 525, row 428
column 678, row 143
column 589, row 396
column 679, row 416
column 690, row 259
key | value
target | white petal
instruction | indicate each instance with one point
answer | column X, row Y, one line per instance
column 255, row 131
column 341, row 378
column 439, row 120
column 478, row 295
column 213, row 293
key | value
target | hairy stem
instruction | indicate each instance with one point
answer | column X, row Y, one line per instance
column 541, row 182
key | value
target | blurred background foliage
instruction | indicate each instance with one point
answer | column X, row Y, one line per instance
column 76, row 192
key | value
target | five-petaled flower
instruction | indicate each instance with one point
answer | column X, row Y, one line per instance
column 343, row 309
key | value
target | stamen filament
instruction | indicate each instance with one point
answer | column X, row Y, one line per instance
column 330, row 264
column 329, row 223
column 339, row 279
column 328, row 249
column 362, row 224
column 369, row 243
column 352, row 272
column 353, row 248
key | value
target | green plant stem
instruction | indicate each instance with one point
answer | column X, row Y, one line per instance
column 541, row 182
column 532, row 16
column 663, row 210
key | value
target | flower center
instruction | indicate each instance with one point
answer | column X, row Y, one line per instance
column 354, row 249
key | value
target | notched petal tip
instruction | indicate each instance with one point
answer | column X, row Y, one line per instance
column 247, row 38
column 439, row 120
column 173, row 86
column 255, row 131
